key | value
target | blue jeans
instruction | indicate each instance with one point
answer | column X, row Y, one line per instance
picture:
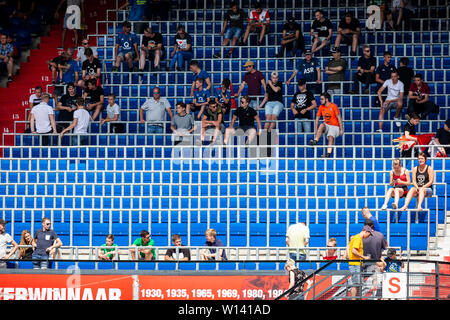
column 303, row 125
column 233, row 32
column 179, row 57
column 40, row 264
column 293, row 256
column 154, row 129
column 83, row 140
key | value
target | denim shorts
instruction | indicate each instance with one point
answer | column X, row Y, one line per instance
column 356, row 274
column 233, row 32
column 274, row 108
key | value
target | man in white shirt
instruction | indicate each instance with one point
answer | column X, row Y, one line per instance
column 113, row 115
column 5, row 238
column 80, row 53
column 34, row 100
column 44, row 117
column 80, row 124
column 297, row 237
column 393, row 99
column 155, row 115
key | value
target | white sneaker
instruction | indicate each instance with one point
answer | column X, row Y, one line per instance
column 397, row 122
column 380, row 130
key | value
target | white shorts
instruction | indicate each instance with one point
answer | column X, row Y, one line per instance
column 332, row 131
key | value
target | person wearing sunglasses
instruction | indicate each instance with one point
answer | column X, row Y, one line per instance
column 365, row 71
column 144, row 240
column 45, row 244
column 81, row 57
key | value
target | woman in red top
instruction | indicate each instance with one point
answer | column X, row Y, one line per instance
column 399, row 181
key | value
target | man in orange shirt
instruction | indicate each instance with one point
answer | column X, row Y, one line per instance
column 333, row 126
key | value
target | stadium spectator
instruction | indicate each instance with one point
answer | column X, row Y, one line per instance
column 69, row 70
column 442, row 138
column 254, row 79
column 419, row 98
column 223, row 96
column 113, row 115
column 194, row 66
column 152, row 48
column 136, row 13
column 308, row 69
column 182, row 50
column 356, row 252
column 144, row 240
column 94, row 97
column 126, row 48
column 212, row 120
column 394, row 99
column 81, row 57
column 235, row 16
column 395, row 15
column 155, row 108
column 295, row 276
column 331, row 253
column 399, row 180
column 179, row 253
column 247, row 117
column 364, row 71
column 273, row 101
column 158, row 10
column 201, row 99
column 6, row 59
column 6, row 238
column 383, row 72
column 90, row 69
column 108, row 254
column 349, row 32
column 302, row 104
column 405, row 73
column 333, row 126
column 408, row 130
column 367, row 215
column 212, row 241
column 297, row 239
column 26, row 239
column 321, row 31
column 422, row 180
column 390, row 263
column 67, row 18
column 292, row 39
column 258, row 21
column 16, row 53
column 80, row 125
column 66, row 106
column 53, row 67
column 45, row 244
column 336, row 72
column 182, row 125
column 33, row 100
column 24, row 9
column 43, row 116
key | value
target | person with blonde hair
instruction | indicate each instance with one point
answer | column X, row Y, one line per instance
column 26, row 239
column 295, row 276
column 212, row 241
column 399, row 180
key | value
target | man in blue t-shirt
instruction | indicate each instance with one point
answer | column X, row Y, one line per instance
column 126, row 48
column 309, row 70
column 383, row 73
column 68, row 68
column 199, row 73
column 137, row 13
column 201, row 98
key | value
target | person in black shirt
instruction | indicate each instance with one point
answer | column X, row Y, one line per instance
column 302, row 104
column 94, row 97
column 212, row 119
column 273, row 99
column 405, row 73
column 365, row 72
column 66, row 106
column 236, row 17
column 408, row 130
column 321, row 31
column 292, row 38
column 247, row 117
column 182, row 254
column 53, row 67
column 182, row 49
column 91, row 69
column 349, row 32
column 26, row 240
column 443, row 138
column 152, row 48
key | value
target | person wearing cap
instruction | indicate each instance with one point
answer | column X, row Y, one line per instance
column 373, row 247
column 333, row 126
column 321, row 31
column 155, row 108
column 390, row 263
column 302, row 104
column 259, row 21
column 336, row 72
column 292, row 38
column 182, row 49
column 355, row 251
column 419, row 98
column 308, row 69
column 126, row 48
column 442, row 138
column 235, row 16
column 5, row 239
column 254, row 79
column 349, row 32
column 45, row 244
